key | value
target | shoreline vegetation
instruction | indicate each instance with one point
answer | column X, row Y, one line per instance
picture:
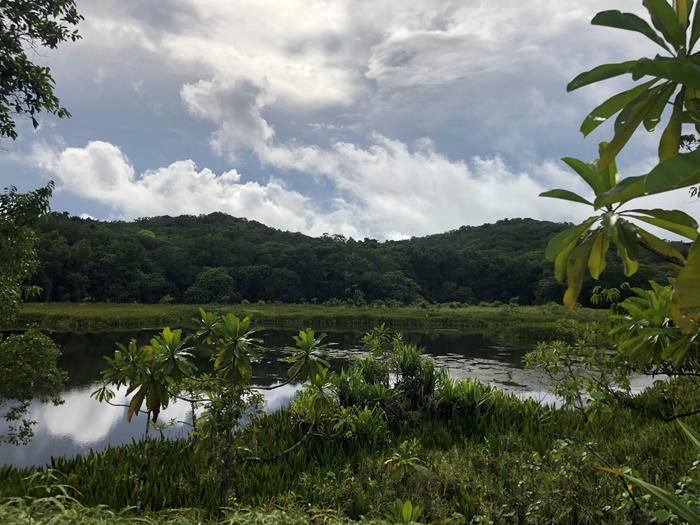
column 509, row 322
column 449, row 451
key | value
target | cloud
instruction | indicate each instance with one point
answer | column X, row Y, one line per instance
column 100, row 171
column 480, row 79
column 337, row 107
column 235, row 105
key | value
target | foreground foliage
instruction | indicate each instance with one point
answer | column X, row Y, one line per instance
column 390, row 429
column 28, row 361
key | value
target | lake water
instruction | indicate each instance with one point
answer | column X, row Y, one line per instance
column 81, row 423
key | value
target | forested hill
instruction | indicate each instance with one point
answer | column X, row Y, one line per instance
column 219, row 258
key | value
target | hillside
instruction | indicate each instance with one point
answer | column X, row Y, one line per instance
column 219, row 258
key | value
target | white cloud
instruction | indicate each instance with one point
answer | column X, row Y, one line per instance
column 100, row 171
column 388, row 190
column 235, row 106
column 344, row 94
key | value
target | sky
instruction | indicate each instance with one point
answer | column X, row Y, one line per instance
column 383, row 118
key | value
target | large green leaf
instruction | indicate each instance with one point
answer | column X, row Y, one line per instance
column 611, row 106
column 601, row 73
column 561, row 260
column 587, row 172
column 685, row 305
column 664, row 18
column 597, row 262
column 136, row 403
column 609, row 174
column 653, row 117
column 683, row 8
column 695, row 30
column 631, row 109
column 625, row 242
column 693, row 436
column 564, row 238
column 659, row 246
column 668, row 499
column 674, row 221
column 637, row 114
column 576, row 270
column 625, row 190
column 629, row 22
column 680, row 171
column 680, row 230
column 565, row 195
column 628, row 239
column 680, row 70
column 670, row 141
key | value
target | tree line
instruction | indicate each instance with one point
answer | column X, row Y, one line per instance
column 217, row 258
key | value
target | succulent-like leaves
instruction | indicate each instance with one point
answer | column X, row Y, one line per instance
column 566, row 195
column 670, row 141
column 665, row 20
column 576, row 270
column 680, row 171
column 683, row 10
column 680, row 70
column 587, row 172
column 674, row 221
column 566, row 237
column 629, row 22
column 627, row 123
column 612, row 106
column 653, row 117
column 597, row 261
column 308, row 356
column 625, row 190
column 685, row 306
column 694, row 31
column 659, row 245
column 599, row 73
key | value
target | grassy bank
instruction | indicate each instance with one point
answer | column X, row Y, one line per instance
column 389, row 431
column 525, row 322
column 501, row 461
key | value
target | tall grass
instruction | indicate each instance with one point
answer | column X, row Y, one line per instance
column 523, row 322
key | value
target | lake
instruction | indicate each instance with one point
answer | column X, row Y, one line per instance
column 81, row 423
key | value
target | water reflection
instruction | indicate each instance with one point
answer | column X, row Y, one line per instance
column 81, row 423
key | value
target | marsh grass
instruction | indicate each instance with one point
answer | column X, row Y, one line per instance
column 502, row 460
column 509, row 322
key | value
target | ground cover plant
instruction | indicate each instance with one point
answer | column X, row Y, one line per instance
column 392, row 427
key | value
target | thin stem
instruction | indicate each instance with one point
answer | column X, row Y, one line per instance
column 273, row 457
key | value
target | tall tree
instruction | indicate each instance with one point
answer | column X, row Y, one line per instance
column 27, row 88
column 29, row 361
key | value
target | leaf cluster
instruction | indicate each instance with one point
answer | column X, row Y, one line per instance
column 27, row 88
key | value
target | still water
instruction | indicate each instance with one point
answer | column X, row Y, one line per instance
column 81, row 423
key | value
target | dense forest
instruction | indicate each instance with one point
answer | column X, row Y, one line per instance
column 219, row 258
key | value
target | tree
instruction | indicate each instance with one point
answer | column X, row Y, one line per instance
column 19, row 213
column 662, row 326
column 165, row 370
column 28, row 361
column 213, row 285
column 27, row 88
